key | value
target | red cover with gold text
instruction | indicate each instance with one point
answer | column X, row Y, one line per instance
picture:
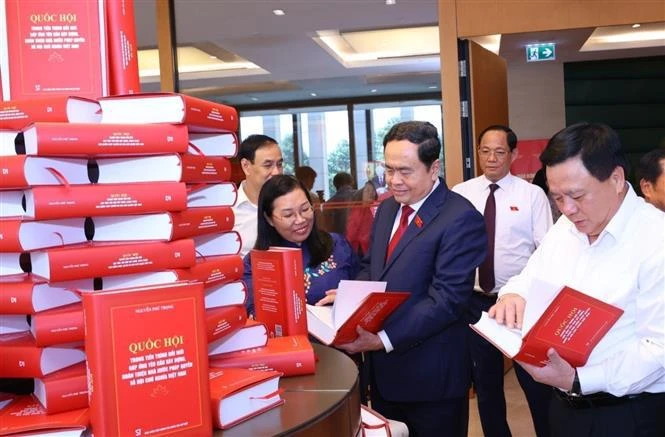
column 279, row 290
column 223, row 321
column 205, row 169
column 22, row 358
column 17, row 114
column 86, row 139
column 64, row 390
column 58, row 325
column 147, row 353
column 215, row 270
column 25, row 414
column 199, row 115
column 26, row 294
column 66, row 264
column 123, row 58
column 53, row 48
column 56, row 202
column 291, row 355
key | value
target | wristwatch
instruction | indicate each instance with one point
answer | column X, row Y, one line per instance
column 576, row 389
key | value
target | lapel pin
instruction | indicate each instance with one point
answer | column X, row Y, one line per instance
column 418, row 221
column 514, row 208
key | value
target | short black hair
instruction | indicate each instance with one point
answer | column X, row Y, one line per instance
column 511, row 138
column 319, row 242
column 649, row 167
column 251, row 144
column 597, row 144
column 421, row 133
column 342, row 179
column 304, row 172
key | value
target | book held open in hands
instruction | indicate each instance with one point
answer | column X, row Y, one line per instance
column 562, row 318
column 364, row 303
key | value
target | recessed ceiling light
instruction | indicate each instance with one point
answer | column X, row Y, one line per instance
column 373, row 90
column 391, row 2
column 636, row 25
column 278, row 12
column 254, row 99
column 312, row 94
column 432, row 87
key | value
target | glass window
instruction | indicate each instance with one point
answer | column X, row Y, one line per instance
column 277, row 126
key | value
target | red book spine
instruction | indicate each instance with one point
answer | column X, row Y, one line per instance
column 58, row 325
column 12, row 172
column 25, row 416
column 9, row 238
column 64, row 390
column 216, row 270
column 201, row 221
column 208, row 115
column 17, row 114
column 22, row 358
column 224, row 321
column 205, row 169
column 53, row 202
column 123, row 58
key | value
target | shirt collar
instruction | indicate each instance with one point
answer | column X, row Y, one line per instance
column 242, row 196
column 503, row 183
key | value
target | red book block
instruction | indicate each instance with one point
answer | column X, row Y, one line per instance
column 213, row 144
column 253, row 334
column 224, row 194
column 216, row 270
column 224, row 321
column 25, row 415
column 232, row 293
column 202, row 221
column 27, row 295
column 17, row 114
column 58, row 326
column 64, row 390
column 22, row 358
column 123, row 58
column 205, row 169
column 24, row 236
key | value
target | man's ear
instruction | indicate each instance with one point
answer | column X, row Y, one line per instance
column 435, row 168
column 245, row 164
column 647, row 188
column 619, row 178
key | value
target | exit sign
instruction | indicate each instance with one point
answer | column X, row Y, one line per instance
column 540, row 52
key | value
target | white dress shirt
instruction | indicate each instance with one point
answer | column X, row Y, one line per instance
column 523, row 217
column 624, row 267
column 245, row 213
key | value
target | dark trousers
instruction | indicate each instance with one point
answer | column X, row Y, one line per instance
column 539, row 397
column 642, row 417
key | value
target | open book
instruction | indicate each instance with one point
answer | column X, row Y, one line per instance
column 364, row 303
column 560, row 317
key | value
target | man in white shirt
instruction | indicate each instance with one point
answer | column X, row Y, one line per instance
column 651, row 177
column 610, row 245
column 522, row 217
column 260, row 158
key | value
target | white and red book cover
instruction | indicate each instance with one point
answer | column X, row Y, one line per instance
column 216, row 270
column 52, row 48
column 227, row 243
column 57, row 326
column 199, row 115
column 15, row 115
column 224, row 321
column 22, row 171
column 11, row 263
column 23, row 236
column 12, row 204
column 13, row 323
column 122, row 47
column 239, row 394
column 57, row 202
column 223, row 194
column 64, row 390
column 87, row 139
column 205, row 169
column 108, row 283
column 253, row 334
column 25, row 416
column 202, row 221
column 26, row 294
column 292, row 355
column 22, row 358
column 232, row 293
column 213, row 144
column 7, row 141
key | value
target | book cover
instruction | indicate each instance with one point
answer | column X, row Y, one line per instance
column 205, row 169
column 18, row 114
column 357, row 303
column 22, row 358
column 231, row 293
column 147, row 352
column 373, row 424
column 224, row 321
column 88, row 139
column 122, row 46
column 279, row 291
column 253, row 334
column 292, row 356
column 63, row 325
column 64, row 390
column 26, row 294
column 216, row 270
column 22, row 171
column 66, row 264
column 572, row 323
column 193, row 222
column 238, row 394
column 213, row 144
column 24, row 236
column 56, row 202
column 53, row 48
column 25, row 414
column 199, row 115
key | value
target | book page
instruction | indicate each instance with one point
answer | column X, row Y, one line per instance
column 509, row 341
column 541, row 295
column 350, row 295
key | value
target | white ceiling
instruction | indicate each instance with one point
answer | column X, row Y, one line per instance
column 298, row 66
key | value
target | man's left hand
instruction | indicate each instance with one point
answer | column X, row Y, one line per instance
column 366, row 341
column 557, row 372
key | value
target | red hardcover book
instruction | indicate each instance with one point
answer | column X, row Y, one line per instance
column 10, row 264
column 224, row 194
column 228, row 243
column 216, row 270
column 224, row 321
column 199, row 115
column 202, row 221
column 357, row 303
column 147, row 352
column 54, row 48
column 86, row 139
column 64, row 390
column 17, row 114
column 573, row 324
column 292, row 355
column 22, row 358
column 232, row 293
column 123, row 58
column 214, row 144
column 107, row 283
column 23, row 171
column 58, row 325
column 56, row 202
column 238, row 394
column 205, row 169
column 66, row 264
column 253, row 334
column 24, row 236
column 25, row 415
column 279, row 291
column 27, row 295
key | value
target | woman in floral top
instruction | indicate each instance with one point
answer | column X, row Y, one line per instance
column 286, row 218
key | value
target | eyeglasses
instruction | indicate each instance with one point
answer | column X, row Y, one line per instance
column 291, row 216
column 499, row 154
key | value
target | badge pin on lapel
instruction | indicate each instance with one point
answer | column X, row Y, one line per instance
column 418, row 221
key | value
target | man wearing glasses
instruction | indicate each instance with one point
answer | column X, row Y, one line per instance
column 517, row 216
column 260, row 158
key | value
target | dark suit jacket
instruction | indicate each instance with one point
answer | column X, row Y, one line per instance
column 435, row 261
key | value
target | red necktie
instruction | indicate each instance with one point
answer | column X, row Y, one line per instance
column 403, row 224
column 486, row 269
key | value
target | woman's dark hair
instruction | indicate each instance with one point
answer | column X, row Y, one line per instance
column 319, row 243
column 597, row 144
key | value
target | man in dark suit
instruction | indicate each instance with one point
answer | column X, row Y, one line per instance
column 428, row 241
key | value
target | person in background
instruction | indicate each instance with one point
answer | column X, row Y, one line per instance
column 286, row 218
column 307, row 175
column 336, row 216
column 518, row 215
column 540, row 179
column 609, row 245
column 427, row 241
column 361, row 217
column 651, row 177
column 260, row 159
